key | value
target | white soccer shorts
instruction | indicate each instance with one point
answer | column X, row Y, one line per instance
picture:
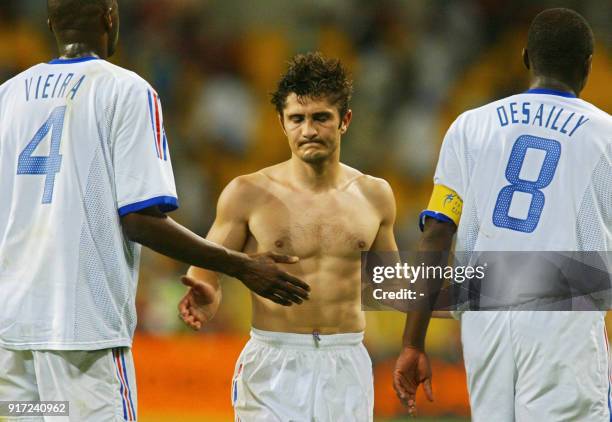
column 99, row 385
column 285, row 377
column 536, row 366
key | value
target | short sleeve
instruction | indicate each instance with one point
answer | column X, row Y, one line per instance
column 143, row 171
column 449, row 171
column 446, row 201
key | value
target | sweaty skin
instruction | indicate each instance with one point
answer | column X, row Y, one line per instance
column 312, row 207
column 327, row 230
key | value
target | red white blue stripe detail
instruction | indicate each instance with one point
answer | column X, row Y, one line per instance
column 235, row 386
column 609, row 372
column 129, row 412
column 157, row 125
column 235, row 391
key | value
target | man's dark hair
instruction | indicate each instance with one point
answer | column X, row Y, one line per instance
column 314, row 76
column 559, row 42
column 76, row 14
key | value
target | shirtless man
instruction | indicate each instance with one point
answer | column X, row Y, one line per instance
column 304, row 362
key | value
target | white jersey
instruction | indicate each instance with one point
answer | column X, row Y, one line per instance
column 534, row 171
column 81, row 144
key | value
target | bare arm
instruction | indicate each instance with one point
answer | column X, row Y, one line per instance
column 435, row 243
column 385, row 239
column 384, row 201
column 258, row 272
column 230, row 230
column 157, row 231
column 412, row 367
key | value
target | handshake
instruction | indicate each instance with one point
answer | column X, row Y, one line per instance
column 259, row 273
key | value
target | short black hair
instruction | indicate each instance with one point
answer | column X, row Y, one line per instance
column 315, row 76
column 76, row 14
column 558, row 43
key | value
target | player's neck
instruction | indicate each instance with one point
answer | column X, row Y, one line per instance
column 320, row 176
column 545, row 82
column 82, row 46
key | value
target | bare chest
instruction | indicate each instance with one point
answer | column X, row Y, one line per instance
column 337, row 225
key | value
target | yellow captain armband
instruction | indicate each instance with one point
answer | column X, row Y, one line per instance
column 444, row 205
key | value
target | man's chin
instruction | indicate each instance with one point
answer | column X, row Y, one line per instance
column 314, row 158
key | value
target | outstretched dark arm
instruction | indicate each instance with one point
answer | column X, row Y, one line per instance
column 157, row 231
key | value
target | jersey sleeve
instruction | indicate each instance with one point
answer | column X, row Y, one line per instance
column 143, row 171
column 446, row 201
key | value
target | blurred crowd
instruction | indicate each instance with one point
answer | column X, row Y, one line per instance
column 416, row 65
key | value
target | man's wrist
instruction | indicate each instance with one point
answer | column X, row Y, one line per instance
column 414, row 346
column 238, row 263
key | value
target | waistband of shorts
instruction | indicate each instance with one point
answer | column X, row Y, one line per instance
column 309, row 341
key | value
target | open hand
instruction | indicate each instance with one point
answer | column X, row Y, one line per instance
column 411, row 369
column 199, row 304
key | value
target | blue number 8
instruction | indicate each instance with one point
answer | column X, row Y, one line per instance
column 515, row 163
column 51, row 164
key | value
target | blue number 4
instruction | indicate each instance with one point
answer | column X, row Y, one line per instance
column 51, row 164
column 501, row 217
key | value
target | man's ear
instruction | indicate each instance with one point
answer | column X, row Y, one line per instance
column 107, row 19
column 588, row 66
column 346, row 121
column 526, row 59
column 586, row 71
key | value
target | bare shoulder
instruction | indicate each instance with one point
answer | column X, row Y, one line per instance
column 377, row 191
column 254, row 187
column 376, row 188
column 242, row 194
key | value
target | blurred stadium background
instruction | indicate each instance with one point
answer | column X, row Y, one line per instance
column 416, row 65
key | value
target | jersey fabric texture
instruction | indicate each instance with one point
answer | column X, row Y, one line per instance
column 534, row 172
column 81, row 144
column 526, row 166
